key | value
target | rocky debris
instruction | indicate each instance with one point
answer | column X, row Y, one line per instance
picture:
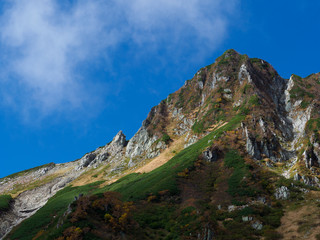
column 218, row 77
column 237, row 103
column 297, row 177
column 227, row 93
column 231, row 208
column 184, row 124
column 190, row 139
column 282, row 193
column 312, row 181
column 247, row 218
column 262, row 200
column 211, row 155
column 257, row 225
column 177, row 113
column 269, row 164
column 310, row 158
column 155, row 150
column 208, row 234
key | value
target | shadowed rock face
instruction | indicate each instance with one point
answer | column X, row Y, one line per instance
column 29, row 202
column 277, row 114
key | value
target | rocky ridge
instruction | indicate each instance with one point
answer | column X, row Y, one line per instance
column 281, row 128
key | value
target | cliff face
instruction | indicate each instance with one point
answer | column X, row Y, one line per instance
column 279, row 127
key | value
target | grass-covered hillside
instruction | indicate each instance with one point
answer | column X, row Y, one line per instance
column 229, row 198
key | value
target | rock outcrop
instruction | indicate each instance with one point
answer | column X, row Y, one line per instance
column 30, row 201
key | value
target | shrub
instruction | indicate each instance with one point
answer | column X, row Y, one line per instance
column 5, row 202
column 166, row 138
column 254, row 100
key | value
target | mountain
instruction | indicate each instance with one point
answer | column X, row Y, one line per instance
column 233, row 154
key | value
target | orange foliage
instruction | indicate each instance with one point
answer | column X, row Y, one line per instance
column 73, row 233
column 151, row 198
column 184, row 173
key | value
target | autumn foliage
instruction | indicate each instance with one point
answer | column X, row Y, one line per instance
column 106, row 212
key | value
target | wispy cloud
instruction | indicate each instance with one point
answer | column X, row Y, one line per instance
column 44, row 42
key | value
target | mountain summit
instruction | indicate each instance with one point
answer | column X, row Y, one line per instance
column 229, row 155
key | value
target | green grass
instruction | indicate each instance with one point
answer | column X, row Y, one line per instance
column 246, row 88
column 304, row 104
column 5, row 202
column 198, row 127
column 313, row 124
column 157, row 218
column 50, row 213
column 254, row 100
column 297, row 92
column 180, row 102
column 236, row 185
column 297, row 78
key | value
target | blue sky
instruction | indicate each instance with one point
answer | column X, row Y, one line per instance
column 73, row 73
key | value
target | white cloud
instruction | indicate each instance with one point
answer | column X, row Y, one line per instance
column 44, row 42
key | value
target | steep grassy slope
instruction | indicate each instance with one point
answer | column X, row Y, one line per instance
column 244, row 126
column 132, row 187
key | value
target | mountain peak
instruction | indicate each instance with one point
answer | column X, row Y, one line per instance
column 226, row 139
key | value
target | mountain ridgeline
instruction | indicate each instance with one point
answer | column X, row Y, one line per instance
column 233, row 154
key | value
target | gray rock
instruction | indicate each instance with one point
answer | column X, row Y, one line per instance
column 217, row 77
column 231, row 208
column 247, row 218
column 297, row 177
column 257, row 225
column 140, row 143
column 282, row 193
column 310, row 158
column 262, row 200
column 208, row 234
column 29, row 202
column 210, row 155
column 190, row 139
column 86, row 160
column 117, row 144
column 244, row 74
